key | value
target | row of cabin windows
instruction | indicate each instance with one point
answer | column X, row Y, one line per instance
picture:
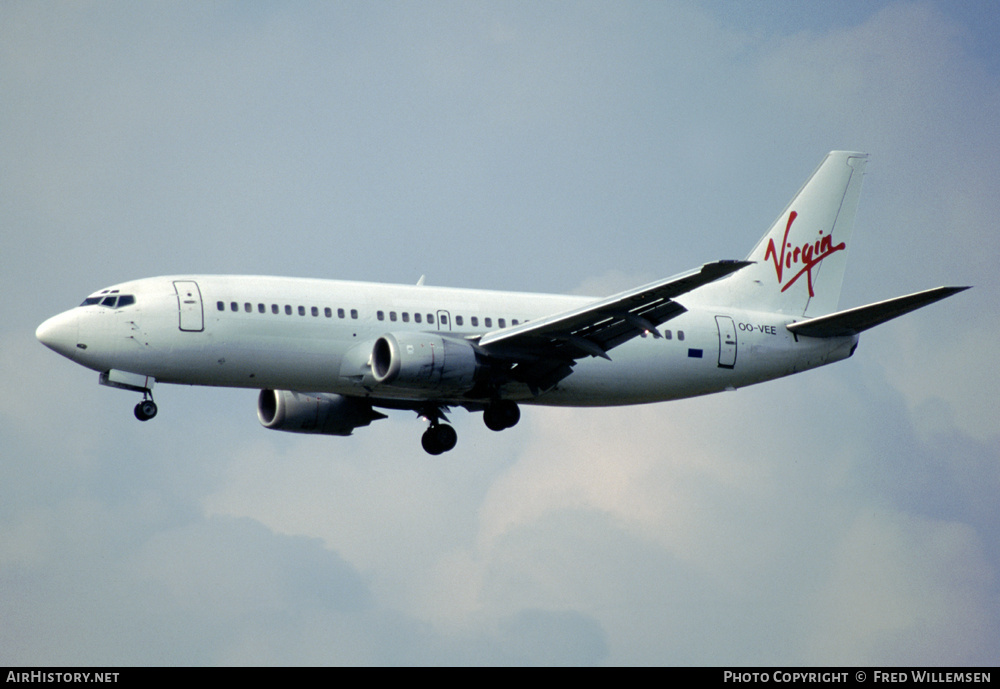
column 459, row 320
column 262, row 308
column 393, row 316
column 417, row 317
column 667, row 334
column 342, row 313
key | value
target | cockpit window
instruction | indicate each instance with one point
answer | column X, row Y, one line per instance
column 112, row 301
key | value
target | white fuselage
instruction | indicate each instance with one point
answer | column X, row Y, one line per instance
column 317, row 336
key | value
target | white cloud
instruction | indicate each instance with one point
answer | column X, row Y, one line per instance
column 904, row 590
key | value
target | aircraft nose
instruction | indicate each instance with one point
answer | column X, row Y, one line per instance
column 59, row 333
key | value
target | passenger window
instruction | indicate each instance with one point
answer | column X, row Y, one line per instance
column 109, row 302
column 354, row 313
column 340, row 313
column 220, row 305
column 379, row 315
column 458, row 320
column 668, row 335
column 261, row 308
column 288, row 309
column 416, row 318
column 315, row 311
column 680, row 335
column 274, row 308
column 513, row 322
column 444, row 319
column 328, row 312
column 233, row 306
column 248, row 308
column 302, row 311
column 406, row 317
column 489, row 322
column 474, row 320
column 501, row 322
column 392, row 316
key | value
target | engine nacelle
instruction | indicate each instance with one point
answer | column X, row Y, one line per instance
column 421, row 361
column 314, row 412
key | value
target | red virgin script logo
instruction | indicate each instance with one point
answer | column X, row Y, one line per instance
column 804, row 258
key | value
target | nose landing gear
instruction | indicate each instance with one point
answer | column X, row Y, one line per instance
column 133, row 382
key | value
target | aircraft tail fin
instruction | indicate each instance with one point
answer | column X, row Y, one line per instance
column 799, row 263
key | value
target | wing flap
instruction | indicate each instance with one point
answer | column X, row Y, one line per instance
column 856, row 320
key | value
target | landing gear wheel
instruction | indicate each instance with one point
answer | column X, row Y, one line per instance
column 145, row 410
column 501, row 414
column 439, row 438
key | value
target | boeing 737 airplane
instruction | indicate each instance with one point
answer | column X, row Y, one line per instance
column 327, row 354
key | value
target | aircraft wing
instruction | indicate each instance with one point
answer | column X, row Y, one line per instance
column 854, row 321
column 543, row 351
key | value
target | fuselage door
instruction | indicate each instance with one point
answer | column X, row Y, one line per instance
column 444, row 320
column 192, row 316
column 727, row 341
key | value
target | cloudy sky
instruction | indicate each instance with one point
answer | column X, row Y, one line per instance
column 844, row 516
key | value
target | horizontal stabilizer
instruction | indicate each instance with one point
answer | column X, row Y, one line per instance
column 854, row 321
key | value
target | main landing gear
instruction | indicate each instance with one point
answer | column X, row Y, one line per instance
column 440, row 437
column 501, row 414
column 146, row 409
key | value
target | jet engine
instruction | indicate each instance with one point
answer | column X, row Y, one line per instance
column 421, row 361
column 313, row 412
